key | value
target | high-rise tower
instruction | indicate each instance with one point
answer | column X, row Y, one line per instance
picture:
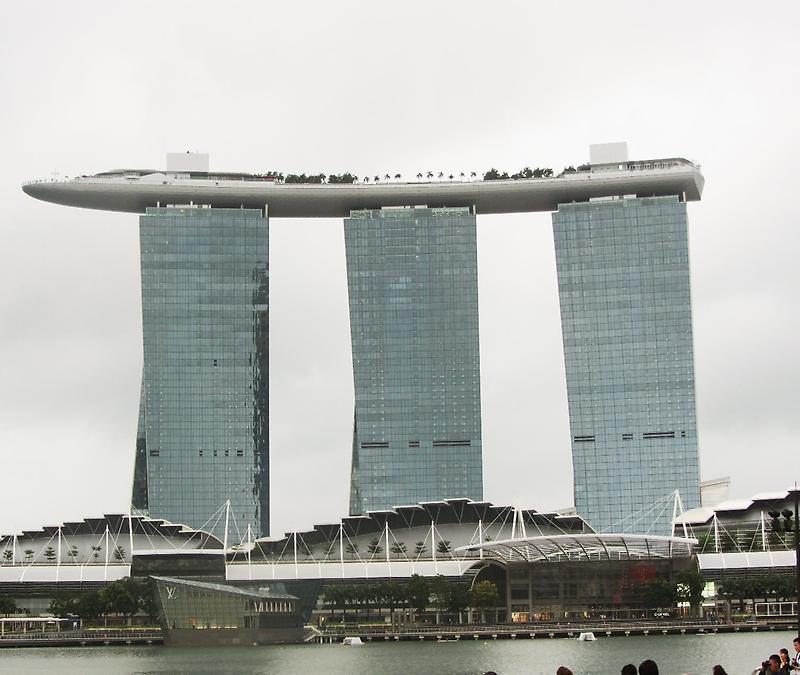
column 413, row 287
column 623, row 282
column 203, row 436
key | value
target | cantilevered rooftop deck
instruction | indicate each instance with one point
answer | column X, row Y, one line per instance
column 135, row 190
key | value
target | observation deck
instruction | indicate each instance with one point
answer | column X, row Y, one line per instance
column 133, row 190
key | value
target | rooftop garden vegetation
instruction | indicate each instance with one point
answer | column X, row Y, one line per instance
column 426, row 176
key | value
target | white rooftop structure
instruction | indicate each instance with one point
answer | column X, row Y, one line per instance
column 584, row 547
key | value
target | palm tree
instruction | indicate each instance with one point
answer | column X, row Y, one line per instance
column 387, row 177
column 462, row 175
column 419, row 176
column 398, row 548
column 441, row 175
column 443, row 547
column 376, row 179
column 119, row 553
column 450, row 176
column 366, row 179
column 472, row 174
column 374, row 547
column 397, row 176
column 430, row 174
column 419, row 548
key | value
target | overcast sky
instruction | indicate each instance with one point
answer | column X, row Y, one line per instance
column 400, row 88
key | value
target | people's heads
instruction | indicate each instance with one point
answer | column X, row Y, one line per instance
column 648, row 667
column 774, row 663
column 718, row 670
column 563, row 670
column 629, row 669
column 796, row 643
column 784, row 654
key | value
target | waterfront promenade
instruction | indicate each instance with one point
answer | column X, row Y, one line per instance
column 544, row 631
column 420, row 632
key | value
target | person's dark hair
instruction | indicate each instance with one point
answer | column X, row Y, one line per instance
column 628, row 669
column 563, row 670
column 648, row 667
column 774, row 657
column 718, row 670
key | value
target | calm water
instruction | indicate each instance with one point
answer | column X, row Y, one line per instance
column 738, row 653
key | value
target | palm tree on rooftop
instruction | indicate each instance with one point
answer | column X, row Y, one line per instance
column 430, row 174
column 450, row 176
column 366, row 179
column 441, row 175
column 472, row 174
column 376, row 179
column 397, row 176
column 419, row 176
column 387, row 177
column 462, row 175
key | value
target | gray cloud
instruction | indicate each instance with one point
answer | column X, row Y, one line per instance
column 376, row 89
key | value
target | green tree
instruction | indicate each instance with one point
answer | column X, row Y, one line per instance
column 8, row 555
column 96, row 551
column 398, row 548
column 393, row 595
column 443, row 547
column 89, row 605
column 420, row 548
column 50, row 554
column 484, row 596
column 62, row 604
column 440, row 594
column 418, row 592
column 119, row 553
column 336, row 597
column 660, row 593
column 691, row 585
column 374, row 548
column 28, row 554
column 458, row 598
column 73, row 552
column 7, row 605
column 121, row 597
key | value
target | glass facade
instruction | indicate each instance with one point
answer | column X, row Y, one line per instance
column 623, row 281
column 205, row 613
column 413, row 288
column 203, row 434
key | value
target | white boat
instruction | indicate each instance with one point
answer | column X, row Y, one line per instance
column 352, row 641
column 586, row 637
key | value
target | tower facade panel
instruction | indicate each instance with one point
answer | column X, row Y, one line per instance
column 203, row 435
column 413, row 291
column 623, row 281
